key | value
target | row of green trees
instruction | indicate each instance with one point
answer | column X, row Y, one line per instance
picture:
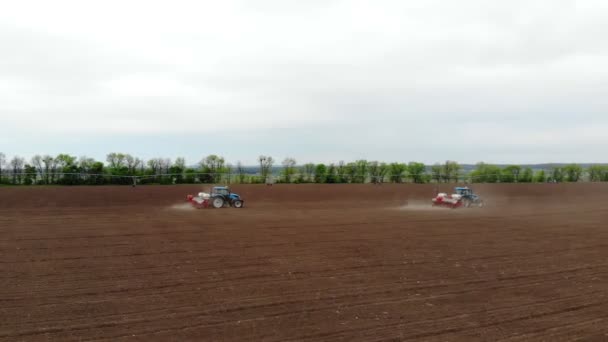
column 119, row 168
column 360, row 171
column 122, row 168
column 487, row 173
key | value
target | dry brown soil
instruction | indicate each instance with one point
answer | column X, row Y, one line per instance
column 304, row 263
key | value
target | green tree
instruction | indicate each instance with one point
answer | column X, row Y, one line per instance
column 377, row 171
column 416, row 172
column 397, row 172
column 308, row 170
column 30, row 175
column 177, row 170
column 50, row 166
column 486, row 173
column 65, row 160
column 36, row 162
column 153, row 169
column 573, row 172
column 190, row 176
column 320, row 173
column 227, row 171
column 289, row 169
column 240, row 172
column 510, row 174
column 85, row 164
column 540, row 177
column 132, row 164
column 604, row 177
column 2, row 163
column 331, row 176
column 341, row 173
column 96, row 170
column 557, row 174
column 527, row 176
column 350, row 173
column 266, row 163
column 450, row 171
column 598, row 173
column 361, row 169
column 383, row 171
column 212, row 167
column 68, row 167
column 116, row 162
column 17, row 169
column 437, row 173
column 506, row 176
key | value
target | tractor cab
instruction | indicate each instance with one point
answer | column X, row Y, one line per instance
column 221, row 190
column 468, row 194
column 224, row 192
column 464, row 191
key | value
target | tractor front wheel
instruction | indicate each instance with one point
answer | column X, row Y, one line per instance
column 237, row 204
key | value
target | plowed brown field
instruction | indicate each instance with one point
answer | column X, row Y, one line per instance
column 304, row 263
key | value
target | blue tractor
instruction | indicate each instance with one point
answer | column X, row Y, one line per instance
column 221, row 196
column 469, row 199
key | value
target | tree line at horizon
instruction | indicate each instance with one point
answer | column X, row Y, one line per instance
column 121, row 168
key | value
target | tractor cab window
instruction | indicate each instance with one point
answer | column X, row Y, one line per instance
column 222, row 191
column 464, row 192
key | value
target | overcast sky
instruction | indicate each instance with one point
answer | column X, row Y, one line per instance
column 323, row 81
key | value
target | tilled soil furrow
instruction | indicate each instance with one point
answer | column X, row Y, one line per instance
column 354, row 300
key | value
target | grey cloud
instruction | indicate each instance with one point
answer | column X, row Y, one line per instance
column 336, row 79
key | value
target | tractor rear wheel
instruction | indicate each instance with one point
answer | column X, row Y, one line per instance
column 237, row 204
column 217, row 202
